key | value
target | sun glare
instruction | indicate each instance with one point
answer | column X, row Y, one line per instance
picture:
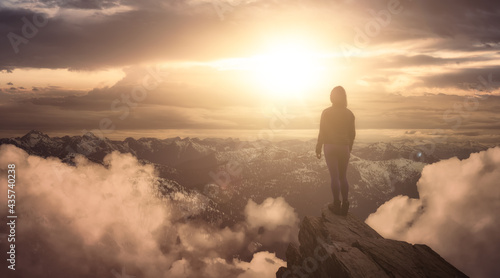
column 286, row 71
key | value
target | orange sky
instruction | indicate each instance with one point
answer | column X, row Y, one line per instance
column 197, row 65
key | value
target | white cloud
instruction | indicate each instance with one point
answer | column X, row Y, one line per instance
column 274, row 220
column 262, row 265
column 96, row 220
column 456, row 215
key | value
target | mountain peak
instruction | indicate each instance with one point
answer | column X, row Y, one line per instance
column 34, row 135
column 89, row 134
column 35, row 132
column 344, row 246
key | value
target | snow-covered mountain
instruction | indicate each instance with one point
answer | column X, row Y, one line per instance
column 213, row 178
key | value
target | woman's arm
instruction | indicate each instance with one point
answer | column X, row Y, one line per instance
column 352, row 133
column 321, row 139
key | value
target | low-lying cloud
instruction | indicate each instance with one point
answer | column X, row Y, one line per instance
column 457, row 213
column 92, row 220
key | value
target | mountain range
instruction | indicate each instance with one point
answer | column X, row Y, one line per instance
column 220, row 175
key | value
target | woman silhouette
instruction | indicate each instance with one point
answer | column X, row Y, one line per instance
column 336, row 134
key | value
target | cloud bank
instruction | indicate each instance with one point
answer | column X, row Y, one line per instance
column 92, row 220
column 456, row 215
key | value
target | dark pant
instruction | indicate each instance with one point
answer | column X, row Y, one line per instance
column 337, row 158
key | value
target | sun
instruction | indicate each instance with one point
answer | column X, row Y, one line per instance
column 289, row 70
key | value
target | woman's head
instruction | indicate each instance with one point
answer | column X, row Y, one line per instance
column 338, row 97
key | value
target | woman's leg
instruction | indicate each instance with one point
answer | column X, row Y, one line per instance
column 333, row 168
column 343, row 161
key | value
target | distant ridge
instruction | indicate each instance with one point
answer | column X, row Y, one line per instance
column 177, row 150
column 187, row 161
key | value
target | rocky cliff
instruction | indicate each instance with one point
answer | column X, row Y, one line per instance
column 344, row 246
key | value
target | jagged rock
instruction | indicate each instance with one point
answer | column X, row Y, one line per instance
column 344, row 246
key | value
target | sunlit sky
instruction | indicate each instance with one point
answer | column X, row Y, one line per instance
column 220, row 68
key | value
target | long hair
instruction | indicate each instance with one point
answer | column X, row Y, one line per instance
column 338, row 97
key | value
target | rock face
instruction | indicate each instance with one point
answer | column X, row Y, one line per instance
column 344, row 246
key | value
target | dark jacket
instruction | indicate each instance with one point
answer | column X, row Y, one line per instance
column 336, row 127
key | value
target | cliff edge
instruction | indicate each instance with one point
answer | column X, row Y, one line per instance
column 344, row 246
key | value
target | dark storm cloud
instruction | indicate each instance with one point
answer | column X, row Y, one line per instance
column 463, row 23
column 81, row 4
column 482, row 79
column 475, row 19
column 470, row 133
column 444, row 25
column 173, row 106
column 116, row 40
column 424, row 60
column 396, row 62
column 153, row 30
column 429, row 111
column 129, row 106
column 169, row 91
